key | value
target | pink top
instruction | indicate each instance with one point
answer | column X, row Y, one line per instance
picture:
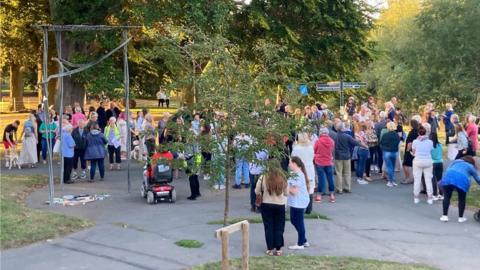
column 324, row 151
column 76, row 117
column 472, row 133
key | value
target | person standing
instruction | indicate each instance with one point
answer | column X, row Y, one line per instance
column 437, row 158
column 112, row 134
column 256, row 169
column 242, row 142
column 79, row 135
column 343, row 159
column 102, row 116
column 362, row 153
column 389, row 143
column 372, row 143
column 10, row 140
column 48, row 133
column 95, row 151
column 378, row 127
column 77, row 117
column 472, row 133
column 456, row 178
column 298, row 199
column 92, row 119
column 461, row 139
column 161, row 97
column 68, row 145
column 150, row 134
column 272, row 187
column 167, row 99
column 28, row 154
column 122, row 126
column 449, row 127
column 303, row 149
column 323, row 160
column 422, row 164
column 162, row 126
column 408, row 157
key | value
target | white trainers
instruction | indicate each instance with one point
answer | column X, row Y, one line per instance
column 444, row 218
column 440, row 197
column 435, row 198
column 306, row 244
column 416, row 200
column 74, row 175
column 83, row 175
column 7, row 164
column 394, row 184
column 296, row 247
column 462, row 219
column 430, row 201
column 361, row 181
column 389, row 184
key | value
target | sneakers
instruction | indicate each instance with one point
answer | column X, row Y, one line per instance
column 361, row 181
column 462, row 219
column 83, row 175
column 74, row 175
column 389, row 184
column 440, row 197
column 435, row 198
column 332, row 198
column 118, row 167
column 394, row 184
column 306, row 244
column 416, row 200
column 430, row 201
column 444, row 218
column 296, row 247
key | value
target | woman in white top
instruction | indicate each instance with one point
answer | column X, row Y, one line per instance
column 122, row 126
column 422, row 164
column 303, row 149
column 28, row 154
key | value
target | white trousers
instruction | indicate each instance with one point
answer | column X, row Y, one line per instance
column 425, row 167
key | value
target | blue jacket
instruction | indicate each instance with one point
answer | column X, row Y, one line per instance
column 458, row 174
column 68, row 144
column 343, row 143
column 95, row 146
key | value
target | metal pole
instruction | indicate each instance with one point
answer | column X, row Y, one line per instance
column 58, row 38
column 51, row 191
column 193, row 83
column 127, row 104
column 342, row 103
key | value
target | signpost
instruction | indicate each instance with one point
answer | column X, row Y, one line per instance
column 339, row 86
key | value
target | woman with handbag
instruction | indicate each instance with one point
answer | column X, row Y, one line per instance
column 271, row 191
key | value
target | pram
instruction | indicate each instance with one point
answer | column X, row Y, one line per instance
column 156, row 182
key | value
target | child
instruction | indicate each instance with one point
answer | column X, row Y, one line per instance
column 437, row 159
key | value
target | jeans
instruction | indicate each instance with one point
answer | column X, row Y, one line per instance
column 241, row 169
column 67, row 168
column 93, row 167
column 362, row 160
column 372, row 159
column 425, row 167
column 322, row 173
column 379, row 159
column 462, row 196
column 297, row 220
column 308, row 210
column 79, row 154
column 390, row 158
column 273, row 216
column 253, row 184
column 44, row 147
column 111, row 151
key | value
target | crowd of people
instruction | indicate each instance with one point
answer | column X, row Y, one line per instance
column 366, row 140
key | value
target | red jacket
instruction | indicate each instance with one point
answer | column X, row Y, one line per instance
column 324, row 151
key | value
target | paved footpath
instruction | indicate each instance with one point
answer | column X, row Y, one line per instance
column 372, row 222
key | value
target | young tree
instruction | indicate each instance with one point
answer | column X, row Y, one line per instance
column 229, row 96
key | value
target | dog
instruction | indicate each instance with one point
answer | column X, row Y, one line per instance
column 135, row 153
column 13, row 160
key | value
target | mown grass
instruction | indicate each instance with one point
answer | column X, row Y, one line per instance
column 473, row 197
column 187, row 243
column 20, row 225
column 315, row 263
column 258, row 219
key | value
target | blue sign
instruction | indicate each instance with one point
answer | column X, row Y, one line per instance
column 303, row 89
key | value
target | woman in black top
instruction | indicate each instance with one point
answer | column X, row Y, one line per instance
column 408, row 157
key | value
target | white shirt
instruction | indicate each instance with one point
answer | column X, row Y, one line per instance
column 306, row 154
column 423, row 148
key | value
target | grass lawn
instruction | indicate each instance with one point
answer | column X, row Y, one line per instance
column 258, row 219
column 315, row 263
column 186, row 243
column 20, row 225
column 473, row 197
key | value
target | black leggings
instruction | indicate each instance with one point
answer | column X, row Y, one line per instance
column 462, row 196
column 437, row 176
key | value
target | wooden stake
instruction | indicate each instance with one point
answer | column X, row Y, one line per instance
column 225, row 262
column 245, row 244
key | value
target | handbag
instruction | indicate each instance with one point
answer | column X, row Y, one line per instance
column 259, row 197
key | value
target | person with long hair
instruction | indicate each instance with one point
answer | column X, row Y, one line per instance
column 422, row 164
column 437, row 158
column 461, row 139
column 408, row 157
column 389, row 144
column 273, row 188
column 456, row 178
column 298, row 199
column 362, row 152
column 112, row 134
column 303, row 149
column 372, row 143
column 28, row 154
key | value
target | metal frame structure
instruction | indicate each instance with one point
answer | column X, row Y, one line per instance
column 63, row 71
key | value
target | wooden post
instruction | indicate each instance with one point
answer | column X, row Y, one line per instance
column 225, row 239
column 245, row 244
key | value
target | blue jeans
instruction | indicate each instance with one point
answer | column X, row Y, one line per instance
column 362, row 160
column 297, row 219
column 93, row 167
column 325, row 172
column 241, row 169
column 390, row 158
column 45, row 147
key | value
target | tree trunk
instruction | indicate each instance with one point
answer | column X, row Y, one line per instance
column 187, row 96
column 228, row 175
column 72, row 91
column 16, row 88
